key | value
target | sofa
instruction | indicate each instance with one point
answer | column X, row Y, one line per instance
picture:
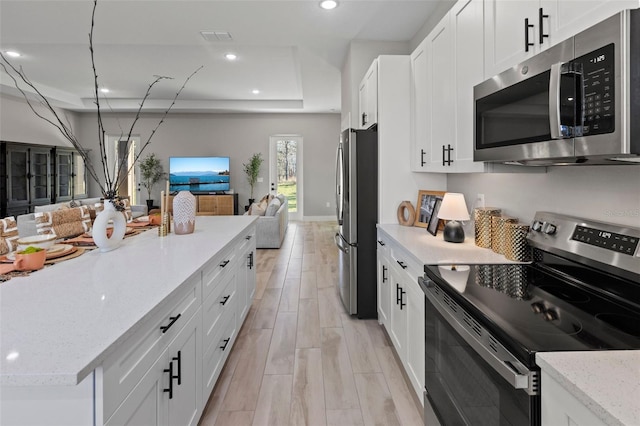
column 272, row 223
column 27, row 222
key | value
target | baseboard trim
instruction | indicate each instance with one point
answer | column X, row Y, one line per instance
column 318, row 218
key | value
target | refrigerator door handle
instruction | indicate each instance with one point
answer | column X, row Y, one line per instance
column 338, row 239
column 339, row 184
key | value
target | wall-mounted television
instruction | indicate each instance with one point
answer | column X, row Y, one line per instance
column 203, row 175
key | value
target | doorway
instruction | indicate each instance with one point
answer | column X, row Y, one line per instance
column 285, row 171
column 122, row 153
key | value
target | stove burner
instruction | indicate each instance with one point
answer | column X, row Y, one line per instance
column 629, row 324
column 568, row 294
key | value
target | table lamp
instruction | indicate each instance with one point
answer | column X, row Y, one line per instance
column 453, row 209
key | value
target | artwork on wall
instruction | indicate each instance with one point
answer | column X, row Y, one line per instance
column 425, row 205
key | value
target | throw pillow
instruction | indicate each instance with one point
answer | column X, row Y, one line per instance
column 64, row 223
column 257, row 210
column 273, row 207
column 8, row 234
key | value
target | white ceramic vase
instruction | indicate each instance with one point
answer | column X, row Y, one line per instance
column 109, row 218
column 184, row 213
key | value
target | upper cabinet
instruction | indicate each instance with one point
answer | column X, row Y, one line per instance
column 368, row 98
column 516, row 30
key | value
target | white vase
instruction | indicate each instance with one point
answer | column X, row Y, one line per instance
column 184, row 213
column 112, row 219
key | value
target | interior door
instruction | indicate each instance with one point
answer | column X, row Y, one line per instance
column 285, row 171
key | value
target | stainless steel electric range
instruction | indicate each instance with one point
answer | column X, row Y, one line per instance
column 485, row 323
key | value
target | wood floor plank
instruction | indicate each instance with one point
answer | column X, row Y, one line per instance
column 261, row 283
column 242, row 394
column 324, row 277
column 308, row 333
column 408, row 412
column 361, row 350
column 235, row 418
column 308, row 260
column 308, row 289
column 376, row 333
column 376, row 401
column 274, row 401
column 339, row 385
column 283, row 344
column 307, row 400
column 290, row 295
column 213, row 406
column 276, row 279
column 345, row 418
column 330, row 307
column 266, row 315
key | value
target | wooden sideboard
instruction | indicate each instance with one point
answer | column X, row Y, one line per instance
column 213, row 205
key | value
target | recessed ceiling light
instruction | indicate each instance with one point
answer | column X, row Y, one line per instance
column 231, row 56
column 328, row 4
column 255, row 91
column 13, row 54
column 104, row 90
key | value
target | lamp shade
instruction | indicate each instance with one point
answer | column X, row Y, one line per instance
column 453, row 207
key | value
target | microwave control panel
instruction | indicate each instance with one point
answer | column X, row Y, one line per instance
column 598, row 105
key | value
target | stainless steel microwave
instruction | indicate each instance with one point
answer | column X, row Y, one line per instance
column 577, row 102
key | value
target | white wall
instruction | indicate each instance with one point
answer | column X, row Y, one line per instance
column 602, row 193
column 238, row 136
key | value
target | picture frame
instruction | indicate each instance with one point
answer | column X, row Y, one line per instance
column 432, row 227
column 424, row 206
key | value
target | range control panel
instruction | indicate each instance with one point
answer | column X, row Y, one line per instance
column 605, row 239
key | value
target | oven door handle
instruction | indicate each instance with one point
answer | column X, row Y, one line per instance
column 506, row 369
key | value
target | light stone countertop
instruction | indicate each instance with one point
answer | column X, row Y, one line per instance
column 58, row 324
column 432, row 250
column 606, row 382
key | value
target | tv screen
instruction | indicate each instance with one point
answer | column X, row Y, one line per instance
column 199, row 174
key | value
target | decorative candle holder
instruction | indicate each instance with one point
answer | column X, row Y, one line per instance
column 166, row 221
column 162, row 230
column 482, row 219
column 498, row 232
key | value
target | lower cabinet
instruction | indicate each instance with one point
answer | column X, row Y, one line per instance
column 559, row 406
column 400, row 295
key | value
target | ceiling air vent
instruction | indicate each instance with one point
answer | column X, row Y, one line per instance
column 216, row 35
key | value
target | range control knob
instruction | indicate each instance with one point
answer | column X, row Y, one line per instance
column 549, row 228
column 536, row 226
column 550, row 315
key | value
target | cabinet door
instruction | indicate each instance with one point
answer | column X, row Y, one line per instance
column 420, row 146
column 79, row 174
column 415, row 335
column 40, row 175
column 18, row 175
column 440, row 76
column 505, row 33
column 398, row 312
column 368, row 97
column 384, row 286
column 362, row 103
column 64, row 176
column 185, row 407
column 468, row 30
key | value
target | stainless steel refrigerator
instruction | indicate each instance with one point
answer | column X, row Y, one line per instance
column 357, row 212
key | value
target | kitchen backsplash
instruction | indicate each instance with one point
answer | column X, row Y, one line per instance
column 603, row 193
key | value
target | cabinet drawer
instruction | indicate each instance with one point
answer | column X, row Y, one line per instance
column 214, row 357
column 216, row 269
column 406, row 263
column 216, row 306
column 126, row 367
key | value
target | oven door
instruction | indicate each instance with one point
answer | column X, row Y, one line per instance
column 465, row 387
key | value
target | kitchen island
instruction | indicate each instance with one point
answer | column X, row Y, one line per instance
column 79, row 337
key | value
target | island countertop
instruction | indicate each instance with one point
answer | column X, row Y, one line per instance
column 58, row 324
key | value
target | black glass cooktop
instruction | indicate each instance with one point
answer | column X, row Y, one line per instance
column 531, row 309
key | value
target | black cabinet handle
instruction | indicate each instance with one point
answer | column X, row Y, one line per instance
column 381, row 243
column 422, row 162
column 224, row 263
column 402, row 293
column 226, row 342
column 443, row 160
column 402, row 264
column 248, row 237
column 384, row 274
column 170, row 371
column 541, row 17
column 224, row 300
column 179, row 376
column 250, row 260
column 526, row 34
column 397, row 293
column 447, row 150
column 164, row 328
column 364, row 118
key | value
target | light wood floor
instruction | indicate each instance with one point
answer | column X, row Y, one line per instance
column 299, row 359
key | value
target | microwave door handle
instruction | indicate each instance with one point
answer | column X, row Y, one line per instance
column 554, row 101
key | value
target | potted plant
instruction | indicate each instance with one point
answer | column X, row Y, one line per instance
column 151, row 172
column 252, row 170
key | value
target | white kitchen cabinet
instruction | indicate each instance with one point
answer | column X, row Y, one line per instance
column 420, row 108
column 560, row 407
column 404, row 300
column 170, row 391
column 549, row 22
column 368, row 97
column 246, row 282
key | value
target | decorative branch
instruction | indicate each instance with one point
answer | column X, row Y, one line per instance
column 111, row 180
